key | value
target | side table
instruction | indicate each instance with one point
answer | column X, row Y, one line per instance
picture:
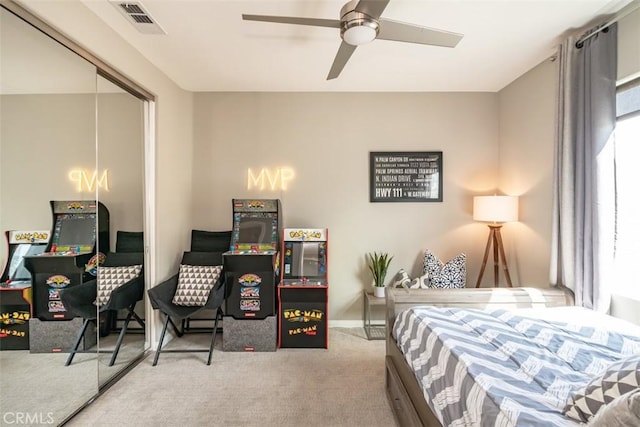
column 375, row 330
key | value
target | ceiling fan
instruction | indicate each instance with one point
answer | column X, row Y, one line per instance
column 360, row 23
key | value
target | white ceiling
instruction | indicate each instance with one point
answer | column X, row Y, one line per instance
column 208, row 47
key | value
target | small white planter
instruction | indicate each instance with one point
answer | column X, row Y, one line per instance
column 378, row 291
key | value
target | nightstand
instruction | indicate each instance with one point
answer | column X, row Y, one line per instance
column 375, row 330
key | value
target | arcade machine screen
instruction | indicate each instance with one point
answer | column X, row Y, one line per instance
column 255, row 232
column 305, row 262
column 74, row 232
column 255, row 229
column 17, row 272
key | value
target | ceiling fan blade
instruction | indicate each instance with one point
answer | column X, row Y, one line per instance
column 344, row 53
column 332, row 23
column 403, row 32
column 373, row 8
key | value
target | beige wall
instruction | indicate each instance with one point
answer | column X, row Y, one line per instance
column 36, row 160
column 629, row 46
column 326, row 138
column 527, row 131
column 121, row 152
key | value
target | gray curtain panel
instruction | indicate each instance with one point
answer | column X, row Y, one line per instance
column 584, row 185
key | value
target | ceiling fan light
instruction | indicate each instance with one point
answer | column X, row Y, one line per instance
column 359, row 32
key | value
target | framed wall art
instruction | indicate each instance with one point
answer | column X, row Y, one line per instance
column 405, row 176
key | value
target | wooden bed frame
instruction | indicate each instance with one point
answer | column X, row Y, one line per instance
column 405, row 395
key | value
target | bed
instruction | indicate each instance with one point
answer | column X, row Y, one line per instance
column 467, row 363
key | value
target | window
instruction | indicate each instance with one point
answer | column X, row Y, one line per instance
column 627, row 170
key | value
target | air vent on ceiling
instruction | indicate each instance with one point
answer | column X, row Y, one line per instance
column 138, row 16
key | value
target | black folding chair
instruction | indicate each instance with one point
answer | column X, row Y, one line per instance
column 161, row 297
column 80, row 301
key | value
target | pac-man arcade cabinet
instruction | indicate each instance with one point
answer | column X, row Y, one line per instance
column 250, row 322
column 79, row 239
column 303, row 288
column 15, row 288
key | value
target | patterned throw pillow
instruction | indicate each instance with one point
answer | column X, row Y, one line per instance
column 421, row 282
column 619, row 378
column 453, row 274
column 195, row 283
column 401, row 279
column 110, row 278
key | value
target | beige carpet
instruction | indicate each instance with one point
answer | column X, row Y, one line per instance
column 39, row 386
column 339, row 386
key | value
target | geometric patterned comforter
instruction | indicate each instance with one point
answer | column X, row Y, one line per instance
column 501, row 368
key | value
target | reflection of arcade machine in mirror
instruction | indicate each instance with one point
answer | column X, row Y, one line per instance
column 71, row 259
column 250, row 276
column 15, row 288
column 303, row 289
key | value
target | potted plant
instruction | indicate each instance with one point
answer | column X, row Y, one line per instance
column 378, row 264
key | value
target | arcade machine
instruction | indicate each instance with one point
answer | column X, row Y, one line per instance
column 303, row 289
column 15, row 288
column 250, row 275
column 79, row 239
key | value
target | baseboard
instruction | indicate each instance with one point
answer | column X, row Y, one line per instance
column 201, row 323
column 345, row 323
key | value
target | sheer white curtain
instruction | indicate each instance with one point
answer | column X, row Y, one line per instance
column 584, row 186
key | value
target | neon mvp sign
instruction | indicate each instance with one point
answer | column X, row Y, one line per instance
column 85, row 180
column 271, row 179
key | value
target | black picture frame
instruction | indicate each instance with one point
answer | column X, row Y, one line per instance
column 405, row 176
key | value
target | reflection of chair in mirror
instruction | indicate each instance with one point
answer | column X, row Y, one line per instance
column 126, row 241
column 120, row 285
column 198, row 286
column 129, row 241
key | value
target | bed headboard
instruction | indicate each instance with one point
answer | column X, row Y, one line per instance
column 399, row 299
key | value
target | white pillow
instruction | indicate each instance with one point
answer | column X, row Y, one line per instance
column 622, row 411
column 195, row 283
column 110, row 278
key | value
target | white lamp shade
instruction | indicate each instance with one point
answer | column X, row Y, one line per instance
column 495, row 208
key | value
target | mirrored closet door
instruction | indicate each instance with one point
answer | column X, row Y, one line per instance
column 120, row 186
column 68, row 133
column 48, row 128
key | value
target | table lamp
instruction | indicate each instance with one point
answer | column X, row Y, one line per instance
column 495, row 210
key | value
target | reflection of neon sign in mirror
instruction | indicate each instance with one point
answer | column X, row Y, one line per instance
column 276, row 179
column 87, row 181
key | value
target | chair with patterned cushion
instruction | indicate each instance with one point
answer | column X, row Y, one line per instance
column 119, row 286
column 198, row 286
